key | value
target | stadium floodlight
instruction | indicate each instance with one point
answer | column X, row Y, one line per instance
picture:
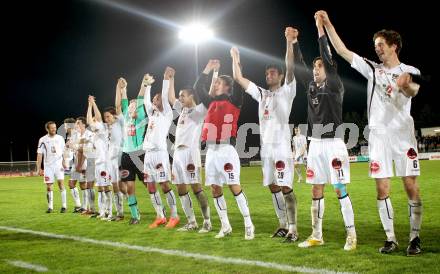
column 195, row 33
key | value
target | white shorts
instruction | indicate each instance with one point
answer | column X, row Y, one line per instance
column 52, row 173
column 113, row 170
column 327, row 161
column 222, row 165
column 102, row 174
column 156, row 167
column 88, row 176
column 277, row 165
column 385, row 147
column 186, row 166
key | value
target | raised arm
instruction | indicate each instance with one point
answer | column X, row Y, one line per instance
column 216, row 68
column 236, row 69
column 291, row 35
column 147, row 81
column 167, row 76
column 121, row 91
column 201, row 85
column 301, row 71
column 336, row 41
column 98, row 117
column 89, row 110
column 171, row 91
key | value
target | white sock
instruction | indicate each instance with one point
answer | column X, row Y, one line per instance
column 317, row 210
column 347, row 214
column 157, row 204
column 63, row 198
column 171, row 200
column 244, row 209
column 75, row 196
column 92, row 199
column 101, row 202
column 415, row 218
column 280, row 208
column 186, row 201
column 85, row 198
column 121, row 203
column 222, row 210
column 50, row 199
column 386, row 214
column 108, row 202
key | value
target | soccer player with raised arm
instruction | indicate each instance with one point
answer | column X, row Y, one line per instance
column 219, row 133
column 327, row 160
column 135, row 121
column 51, row 148
column 391, row 138
column 274, row 107
column 102, row 173
column 187, row 163
column 156, row 163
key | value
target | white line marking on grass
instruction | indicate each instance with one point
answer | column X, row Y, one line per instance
column 180, row 253
column 21, row 264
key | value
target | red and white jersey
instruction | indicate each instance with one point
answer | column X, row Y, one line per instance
column 189, row 125
column 52, row 148
column 387, row 107
column 159, row 122
column 299, row 143
column 273, row 112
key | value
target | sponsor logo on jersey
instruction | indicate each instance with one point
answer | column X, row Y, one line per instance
column 124, row 173
column 103, row 174
column 159, row 167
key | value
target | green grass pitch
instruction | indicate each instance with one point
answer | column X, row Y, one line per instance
column 22, row 205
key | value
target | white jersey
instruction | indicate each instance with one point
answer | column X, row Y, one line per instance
column 299, row 143
column 100, row 142
column 85, row 141
column 273, row 112
column 189, row 125
column 387, row 107
column 159, row 122
column 115, row 136
column 52, row 148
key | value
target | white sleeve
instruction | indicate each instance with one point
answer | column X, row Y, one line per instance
column 359, row 64
column 40, row 148
column 62, row 142
column 178, row 106
column 290, row 88
column 165, row 89
column 147, row 101
column 254, row 91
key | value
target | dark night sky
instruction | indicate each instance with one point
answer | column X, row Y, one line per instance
column 57, row 52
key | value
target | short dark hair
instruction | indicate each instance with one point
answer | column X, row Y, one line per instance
column 391, row 37
column 69, row 120
column 110, row 110
column 316, row 59
column 48, row 124
column 275, row 66
column 82, row 119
